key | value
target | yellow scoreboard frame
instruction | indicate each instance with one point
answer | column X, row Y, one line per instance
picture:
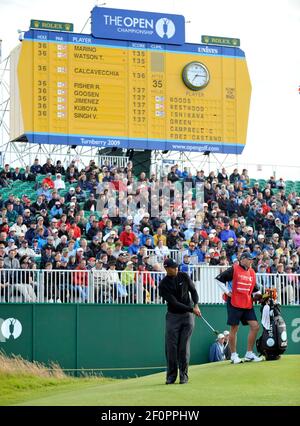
column 76, row 89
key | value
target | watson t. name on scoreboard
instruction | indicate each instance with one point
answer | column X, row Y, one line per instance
column 79, row 90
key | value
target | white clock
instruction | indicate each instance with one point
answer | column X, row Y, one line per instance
column 195, row 76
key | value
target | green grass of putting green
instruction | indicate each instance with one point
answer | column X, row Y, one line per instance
column 264, row 383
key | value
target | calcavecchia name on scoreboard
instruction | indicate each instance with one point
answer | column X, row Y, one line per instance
column 138, row 26
column 158, row 198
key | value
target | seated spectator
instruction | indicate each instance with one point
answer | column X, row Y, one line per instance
column 36, row 168
column 227, row 351
column 216, row 352
column 48, row 167
column 59, row 169
column 59, row 183
column 186, row 265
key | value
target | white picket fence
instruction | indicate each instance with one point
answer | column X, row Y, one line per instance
column 124, row 287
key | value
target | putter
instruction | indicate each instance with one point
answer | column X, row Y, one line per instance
column 216, row 332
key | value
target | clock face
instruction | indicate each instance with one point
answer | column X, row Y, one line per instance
column 195, row 75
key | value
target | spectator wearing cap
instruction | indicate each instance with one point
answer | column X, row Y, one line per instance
column 145, row 223
column 19, row 226
column 146, row 262
column 91, row 263
column 57, row 210
column 196, row 255
column 25, row 250
column 27, row 218
column 128, row 280
column 144, row 235
column 121, row 261
column 227, row 233
column 95, row 246
column 70, row 194
column 48, row 180
column 10, row 261
column 59, row 183
column 216, row 351
column 127, row 237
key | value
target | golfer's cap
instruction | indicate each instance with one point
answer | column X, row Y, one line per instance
column 226, row 333
column 129, row 217
column 170, row 263
column 146, row 229
column 129, row 263
column 246, row 255
column 221, row 336
column 230, row 239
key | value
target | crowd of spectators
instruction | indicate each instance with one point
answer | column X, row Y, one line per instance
column 72, row 223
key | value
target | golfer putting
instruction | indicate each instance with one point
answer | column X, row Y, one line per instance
column 178, row 290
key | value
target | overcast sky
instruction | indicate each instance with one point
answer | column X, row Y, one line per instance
column 270, row 34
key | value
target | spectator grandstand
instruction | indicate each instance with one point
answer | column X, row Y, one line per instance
column 101, row 234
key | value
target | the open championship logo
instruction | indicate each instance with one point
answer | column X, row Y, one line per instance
column 11, row 328
column 165, row 28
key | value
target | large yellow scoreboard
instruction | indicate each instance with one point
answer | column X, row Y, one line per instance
column 75, row 89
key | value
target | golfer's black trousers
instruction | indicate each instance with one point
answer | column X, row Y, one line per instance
column 179, row 329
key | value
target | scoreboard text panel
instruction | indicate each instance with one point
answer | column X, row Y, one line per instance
column 78, row 90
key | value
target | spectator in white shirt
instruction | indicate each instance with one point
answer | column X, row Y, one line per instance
column 59, row 183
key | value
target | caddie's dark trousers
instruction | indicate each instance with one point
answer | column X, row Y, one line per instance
column 179, row 329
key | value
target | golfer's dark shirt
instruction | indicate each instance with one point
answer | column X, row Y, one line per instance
column 176, row 292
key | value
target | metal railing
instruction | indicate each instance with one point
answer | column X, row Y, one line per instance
column 124, row 287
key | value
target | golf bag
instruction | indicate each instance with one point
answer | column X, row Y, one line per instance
column 273, row 341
